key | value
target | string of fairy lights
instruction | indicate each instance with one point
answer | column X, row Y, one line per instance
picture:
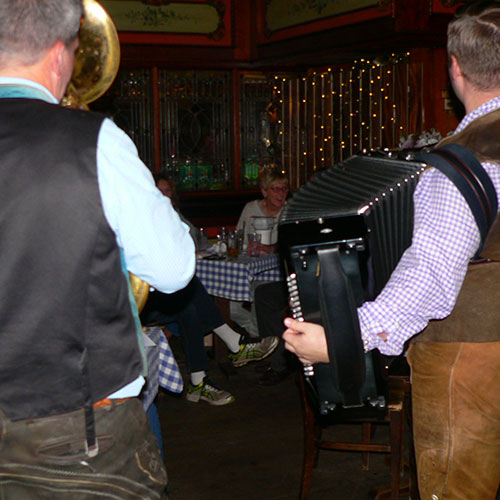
column 329, row 115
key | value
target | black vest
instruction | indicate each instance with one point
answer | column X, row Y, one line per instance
column 65, row 317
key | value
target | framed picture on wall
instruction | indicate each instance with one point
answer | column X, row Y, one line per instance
column 289, row 18
column 183, row 22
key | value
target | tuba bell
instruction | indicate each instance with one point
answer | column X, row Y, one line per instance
column 96, row 60
column 96, row 65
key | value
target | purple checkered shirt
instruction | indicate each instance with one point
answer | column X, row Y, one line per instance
column 428, row 278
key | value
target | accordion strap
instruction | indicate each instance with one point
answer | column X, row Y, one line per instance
column 339, row 314
column 461, row 166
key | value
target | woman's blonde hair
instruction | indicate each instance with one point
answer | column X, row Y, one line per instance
column 268, row 175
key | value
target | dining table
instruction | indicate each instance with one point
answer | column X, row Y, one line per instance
column 163, row 370
column 232, row 279
column 227, row 279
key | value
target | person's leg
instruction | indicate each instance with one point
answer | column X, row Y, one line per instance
column 210, row 318
column 46, row 458
column 456, row 419
column 201, row 314
column 154, row 423
column 208, row 312
column 192, row 337
column 196, row 314
column 244, row 313
column 271, row 308
column 243, row 317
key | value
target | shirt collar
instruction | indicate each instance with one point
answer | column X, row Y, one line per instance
column 46, row 94
column 485, row 108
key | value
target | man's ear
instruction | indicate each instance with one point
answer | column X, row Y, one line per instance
column 455, row 69
column 57, row 58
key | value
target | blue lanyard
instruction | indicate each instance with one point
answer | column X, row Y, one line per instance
column 25, row 91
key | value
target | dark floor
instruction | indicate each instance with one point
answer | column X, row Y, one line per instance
column 252, row 448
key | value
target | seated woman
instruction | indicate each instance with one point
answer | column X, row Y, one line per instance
column 273, row 185
column 197, row 315
column 274, row 188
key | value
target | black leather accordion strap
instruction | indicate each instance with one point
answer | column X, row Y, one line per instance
column 340, row 320
column 461, row 166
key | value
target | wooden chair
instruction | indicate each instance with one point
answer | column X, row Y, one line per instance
column 394, row 417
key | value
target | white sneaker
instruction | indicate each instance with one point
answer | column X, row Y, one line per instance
column 207, row 391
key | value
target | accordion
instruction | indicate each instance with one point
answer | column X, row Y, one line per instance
column 341, row 235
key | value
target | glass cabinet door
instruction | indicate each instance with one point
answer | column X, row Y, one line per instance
column 195, row 133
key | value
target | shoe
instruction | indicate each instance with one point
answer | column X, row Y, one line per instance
column 209, row 392
column 254, row 351
column 272, row 377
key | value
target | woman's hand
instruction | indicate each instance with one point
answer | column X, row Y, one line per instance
column 306, row 340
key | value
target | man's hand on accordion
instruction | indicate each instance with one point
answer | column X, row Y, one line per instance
column 306, row 340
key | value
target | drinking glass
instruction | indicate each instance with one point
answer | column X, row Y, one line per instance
column 233, row 245
column 253, row 244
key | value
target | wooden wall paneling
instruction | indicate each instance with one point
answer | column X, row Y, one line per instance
column 244, row 30
column 322, row 132
column 388, row 110
column 400, row 103
column 302, row 172
column 289, row 97
column 280, row 90
column 355, row 124
column 328, row 120
column 419, row 18
column 235, row 130
column 292, row 98
column 375, row 107
column 157, row 129
column 441, row 109
column 365, row 131
column 294, row 113
column 336, row 110
column 445, row 6
column 416, row 105
column 313, row 120
column 306, row 121
column 348, row 113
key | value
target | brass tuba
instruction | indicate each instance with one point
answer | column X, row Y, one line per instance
column 97, row 58
column 96, row 65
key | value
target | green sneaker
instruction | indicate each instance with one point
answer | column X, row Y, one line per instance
column 207, row 391
column 254, row 351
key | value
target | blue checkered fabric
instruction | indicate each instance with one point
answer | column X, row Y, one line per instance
column 162, row 367
column 231, row 279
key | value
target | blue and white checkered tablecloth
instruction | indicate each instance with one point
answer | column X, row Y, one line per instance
column 162, row 367
column 231, row 279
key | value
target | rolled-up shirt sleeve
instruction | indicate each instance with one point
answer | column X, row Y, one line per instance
column 156, row 244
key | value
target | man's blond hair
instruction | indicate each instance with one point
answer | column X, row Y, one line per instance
column 474, row 39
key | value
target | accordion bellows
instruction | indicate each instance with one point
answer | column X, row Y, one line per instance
column 341, row 236
column 365, row 197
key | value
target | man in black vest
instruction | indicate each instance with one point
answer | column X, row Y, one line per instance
column 78, row 209
column 455, row 361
